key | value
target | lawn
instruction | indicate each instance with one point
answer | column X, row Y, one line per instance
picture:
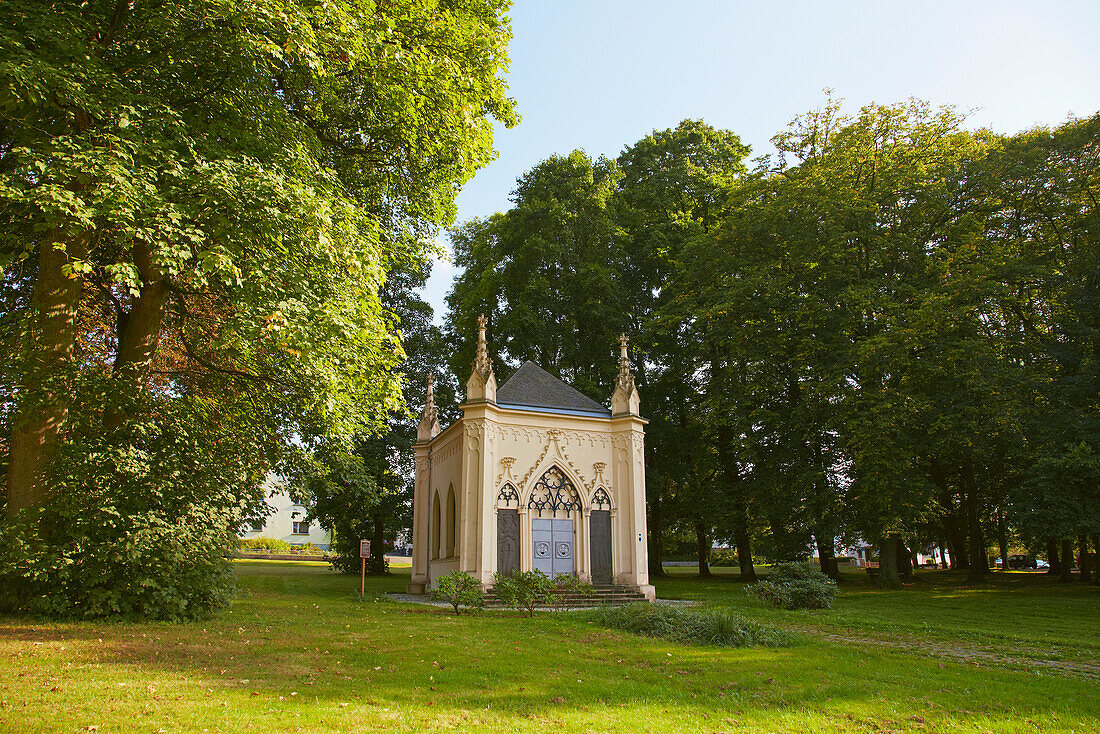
column 299, row 652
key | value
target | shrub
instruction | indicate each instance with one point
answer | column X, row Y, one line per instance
column 796, row 586
column 524, row 589
column 141, row 520
column 723, row 557
column 261, row 543
column 691, row 626
column 459, row 590
column 567, row 585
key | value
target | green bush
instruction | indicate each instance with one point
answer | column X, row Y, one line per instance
column 459, row 590
column 141, row 519
column 567, row 585
column 524, row 589
column 723, row 557
column 796, row 586
column 690, row 626
column 143, row 566
column 261, row 543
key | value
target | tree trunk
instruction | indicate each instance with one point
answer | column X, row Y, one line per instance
column 376, row 564
column 1067, row 560
column 744, row 550
column 1052, row 557
column 702, row 547
column 978, row 560
column 904, row 560
column 656, row 538
column 826, row 556
column 43, row 404
column 888, row 577
column 1096, row 548
column 139, row 331
column 952, row 525
column 1002, row 544
column 1086, row 560
column 943, row 556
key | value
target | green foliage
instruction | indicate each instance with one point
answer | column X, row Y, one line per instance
column 570, row 583
column 459, row 590
column 723, row 557
column 545, row 275
column 524, row 589
column 140, row 525
column 223, row 189
column 362, row 488
column 566, row 587
column 690, row 626
column 795, row 586
column 262, row 543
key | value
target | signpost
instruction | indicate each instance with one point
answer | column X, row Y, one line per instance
column 364, row 552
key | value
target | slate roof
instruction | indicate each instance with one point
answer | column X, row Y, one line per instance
column 533, row 387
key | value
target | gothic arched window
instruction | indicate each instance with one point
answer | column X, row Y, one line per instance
column 554, row 492
column 507, row 495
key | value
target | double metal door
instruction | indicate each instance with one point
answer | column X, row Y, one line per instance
column 552, row 546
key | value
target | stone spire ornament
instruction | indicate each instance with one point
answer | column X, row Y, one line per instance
column 482, row 363
column 625, row 399
column 482, row 384
column 429, row 417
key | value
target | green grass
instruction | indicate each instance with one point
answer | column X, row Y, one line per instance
column 299, row 652
column 1022, row 615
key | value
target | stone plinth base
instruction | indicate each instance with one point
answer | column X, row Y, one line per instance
column 415, row 587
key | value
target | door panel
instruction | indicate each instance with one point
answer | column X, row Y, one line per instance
column 552, row 546
column 563, row 546
column 542, row 543
column 600, row 526
column 507, row 541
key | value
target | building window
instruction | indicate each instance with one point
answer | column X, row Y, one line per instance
column 256, row 525
column 435, row 530
column 301, row 527
column 451, row 517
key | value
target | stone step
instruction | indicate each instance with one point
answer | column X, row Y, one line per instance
column 577, row 600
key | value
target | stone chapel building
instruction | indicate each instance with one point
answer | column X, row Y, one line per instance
column 534, row 475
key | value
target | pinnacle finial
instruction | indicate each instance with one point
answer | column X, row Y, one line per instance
column 429, row 418
column 481, row 360
column 624, row 360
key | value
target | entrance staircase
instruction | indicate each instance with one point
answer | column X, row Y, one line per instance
column 598, row 597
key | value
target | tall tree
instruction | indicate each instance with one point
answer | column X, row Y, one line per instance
column 543, row 273
column 672, row 190
column 363, row 486
column 228, row 182
column 199, row 205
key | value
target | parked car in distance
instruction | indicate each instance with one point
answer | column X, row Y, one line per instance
column 1018, row 562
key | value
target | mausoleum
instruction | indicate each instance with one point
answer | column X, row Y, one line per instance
column 534, row 475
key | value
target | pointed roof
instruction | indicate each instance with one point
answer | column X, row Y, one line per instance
column 533, row 387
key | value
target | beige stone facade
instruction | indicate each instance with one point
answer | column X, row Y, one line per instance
column 534, row 475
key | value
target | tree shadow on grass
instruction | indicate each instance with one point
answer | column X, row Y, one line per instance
column 500, row 669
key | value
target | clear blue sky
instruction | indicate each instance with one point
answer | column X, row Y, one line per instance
column 600, row 75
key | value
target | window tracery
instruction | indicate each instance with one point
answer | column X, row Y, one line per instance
column 507, row 495
column 553, row 492
column 601, row 500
